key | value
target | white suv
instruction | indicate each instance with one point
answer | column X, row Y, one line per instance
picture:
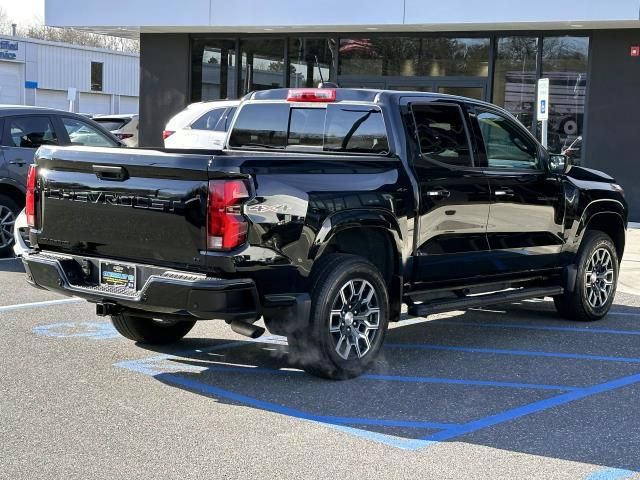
column 201, row 125
column 124, row 126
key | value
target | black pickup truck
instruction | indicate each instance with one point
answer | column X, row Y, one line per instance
column 326, row 212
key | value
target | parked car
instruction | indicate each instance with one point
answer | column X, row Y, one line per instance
column 22, row 130
column 328, row 210
column 200, row 125
column 123, row 126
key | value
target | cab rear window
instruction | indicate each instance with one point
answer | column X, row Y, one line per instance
column 330, row 128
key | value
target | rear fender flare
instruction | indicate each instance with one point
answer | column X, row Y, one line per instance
column 360, row 218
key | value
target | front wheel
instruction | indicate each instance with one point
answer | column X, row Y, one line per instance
column 149, row 330
column 348, row 320
column 596, row 281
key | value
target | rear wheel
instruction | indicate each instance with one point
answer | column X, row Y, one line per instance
column 9, row 211
column 348, row 320
column 596, row 281
column 149, row 330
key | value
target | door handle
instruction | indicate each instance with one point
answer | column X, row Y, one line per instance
column 439, row 193
column 506, row 192
column 108, row 172
column 18, row 161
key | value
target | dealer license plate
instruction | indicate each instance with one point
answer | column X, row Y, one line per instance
column 118, row 275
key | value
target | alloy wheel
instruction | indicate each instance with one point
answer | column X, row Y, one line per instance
column 354, row 320
column 7, row 221
column 599, row 278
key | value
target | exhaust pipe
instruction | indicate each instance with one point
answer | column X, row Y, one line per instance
column 247, row 329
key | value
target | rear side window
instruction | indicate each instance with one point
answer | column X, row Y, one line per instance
column 210, row 121
column 442, row 134
column 330, row 128
column 30, row 132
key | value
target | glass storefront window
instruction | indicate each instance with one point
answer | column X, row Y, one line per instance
column 311, row 61
column 414, row 56
column 515, row 77
column 564, row 62
column 219, row 70
column 262, row 64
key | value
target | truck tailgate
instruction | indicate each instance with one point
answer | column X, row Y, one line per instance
column 139, row 205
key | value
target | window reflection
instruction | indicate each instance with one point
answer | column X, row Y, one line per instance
column 404, row 56
column 311, row 61
column 262, row 64
column 564, row 62
column 515, row 77
column 218, row 70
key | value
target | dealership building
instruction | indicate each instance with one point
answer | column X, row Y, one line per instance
column 49, row 74
column 494, row 50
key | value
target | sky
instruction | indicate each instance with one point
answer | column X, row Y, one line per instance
column 24, row 12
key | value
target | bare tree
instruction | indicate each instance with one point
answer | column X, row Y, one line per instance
column 68, row 35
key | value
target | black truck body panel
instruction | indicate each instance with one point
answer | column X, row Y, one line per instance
column 443, row 226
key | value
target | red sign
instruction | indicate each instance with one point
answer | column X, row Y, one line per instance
column 635, row 51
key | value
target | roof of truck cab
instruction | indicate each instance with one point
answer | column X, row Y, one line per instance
column 360, row 95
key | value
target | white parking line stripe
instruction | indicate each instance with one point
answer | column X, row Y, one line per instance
column 48, row 303
column 8, row 259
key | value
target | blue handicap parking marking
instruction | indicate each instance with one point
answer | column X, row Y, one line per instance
column 611, row 474
column 91, row 330
column 417, row 411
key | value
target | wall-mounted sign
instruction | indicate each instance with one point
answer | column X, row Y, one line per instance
column 635, row 51
column 11, row 50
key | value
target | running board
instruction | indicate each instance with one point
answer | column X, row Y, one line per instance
column 497, row 298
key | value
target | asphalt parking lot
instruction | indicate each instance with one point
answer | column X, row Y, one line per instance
column 498, row 393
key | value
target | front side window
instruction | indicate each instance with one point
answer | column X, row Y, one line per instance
column 334, row 128
column 506, row 144
column 83, row 134
column 442, row 134
column 30, row 132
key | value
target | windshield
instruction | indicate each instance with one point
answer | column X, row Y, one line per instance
column 334, row 127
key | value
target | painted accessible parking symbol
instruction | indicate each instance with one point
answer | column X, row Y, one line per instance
column 507, row 379
column 418, row 408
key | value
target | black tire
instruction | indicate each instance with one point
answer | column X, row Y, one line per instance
column 579, row 304
column 150, row 331
column 7, row 204
column 314, row 347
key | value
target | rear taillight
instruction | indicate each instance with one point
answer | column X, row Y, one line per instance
column 227, row 227
column 30, row 208
column 167, row 133
column 312, row 95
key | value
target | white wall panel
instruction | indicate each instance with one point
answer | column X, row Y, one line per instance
column 11, row 83
column 510, row 11
column 94, row 103
column 129, row 104
column 338, row 14
column 132, row 12
column 52, row 99
column 60, row 68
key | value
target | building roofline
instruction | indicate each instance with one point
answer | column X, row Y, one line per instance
column 68, row 45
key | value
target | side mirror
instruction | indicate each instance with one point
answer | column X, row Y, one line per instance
column 558, row 163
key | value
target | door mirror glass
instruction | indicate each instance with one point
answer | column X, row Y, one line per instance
column 558, row 163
